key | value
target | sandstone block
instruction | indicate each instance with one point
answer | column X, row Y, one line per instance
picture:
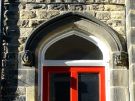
column 35, row 23
column 27, row 14
column 120, row 30
column 103, row 15
column 118, row 15
column 101, row 1
column 116, row 23
column 117, row 1
column 24, row 32
column 89, row 1
column 47, row 14
column 30, row 93
column 23, row 23
column 113, row 7
column 99, row 7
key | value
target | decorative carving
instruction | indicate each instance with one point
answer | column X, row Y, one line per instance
column 27, row 58
column 120, row 59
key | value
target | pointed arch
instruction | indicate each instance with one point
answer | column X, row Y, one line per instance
column 69, row 21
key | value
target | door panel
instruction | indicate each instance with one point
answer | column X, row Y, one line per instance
column 59, row 87
column 74, row 83
column 88, row 87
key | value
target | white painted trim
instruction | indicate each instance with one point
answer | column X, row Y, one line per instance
column 74, row 63
column 102, row 46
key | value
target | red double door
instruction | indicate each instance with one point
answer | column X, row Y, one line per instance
column 74, row 83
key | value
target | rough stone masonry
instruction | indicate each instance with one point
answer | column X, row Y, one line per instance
column 21, row 17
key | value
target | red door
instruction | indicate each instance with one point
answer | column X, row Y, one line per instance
column 74, row 83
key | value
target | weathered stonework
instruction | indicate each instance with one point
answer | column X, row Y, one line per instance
column 23, row 16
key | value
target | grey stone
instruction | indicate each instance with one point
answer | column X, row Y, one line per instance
column 31, row 77
column 20, row 98
column 131, row 51
column 22, row 80
column 130, row 4
column 119, row 94
column 131, row 36
column 119, row 78
column 131, row 19
column 21, row 91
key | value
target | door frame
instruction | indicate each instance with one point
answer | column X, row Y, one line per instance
column 58, row 36
column 74, row 70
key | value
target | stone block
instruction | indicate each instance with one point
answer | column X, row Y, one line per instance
column 27, row 14
column 24, row 32
column 103, row 15
column 131, row 52
column 116, row 23
column 34, row 6
column 22, row 78
column 31, row 77
column 31, row 0
column 21, row 90
column 22, row 40
column 43, row 14
column 97, row 7
column 131, row 19
column 130, row 4
column 90, row 1
column 23, row 23
column 101, row 1
column 117, row 1
column 30, row 93
column 119, row 94
column 114, row 8
column 20, row 98
column 118, row 15
column 131, row 36
column 133, row 92
column 119, row 78
column 132, row 73
column 35, row 23
column 120, row 30
column 21, row 47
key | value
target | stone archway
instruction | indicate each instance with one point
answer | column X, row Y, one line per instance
column 90, row 26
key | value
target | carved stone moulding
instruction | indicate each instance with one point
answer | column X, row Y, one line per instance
column 27, row 58
column 120, row 58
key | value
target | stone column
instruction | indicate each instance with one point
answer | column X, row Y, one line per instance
column 130, row 30
column 119, row 77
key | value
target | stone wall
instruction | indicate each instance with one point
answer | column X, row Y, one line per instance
column 130, row 26
column 23, row 16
